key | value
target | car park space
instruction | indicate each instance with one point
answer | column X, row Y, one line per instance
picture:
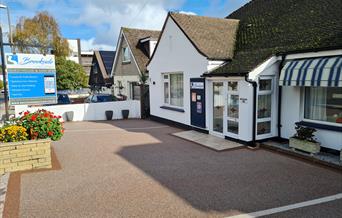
column 137, row 168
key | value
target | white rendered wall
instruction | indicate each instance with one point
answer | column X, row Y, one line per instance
column 291, row 110
column 175, row 53
column 125, row 80
column 93, row 111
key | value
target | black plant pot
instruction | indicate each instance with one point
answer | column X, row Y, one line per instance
column 109, row 115
column 69, row 115
column 125, row 113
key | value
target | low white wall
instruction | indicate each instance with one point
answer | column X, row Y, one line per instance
column 93, row 111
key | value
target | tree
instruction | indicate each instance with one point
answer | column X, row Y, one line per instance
column 43, row 31
column 70, row 75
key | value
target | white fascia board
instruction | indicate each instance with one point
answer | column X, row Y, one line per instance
column 253, row 75
column 116, row 53
column 314, row 54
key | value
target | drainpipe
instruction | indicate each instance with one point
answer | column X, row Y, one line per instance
column 255, row 85
column 281, row 65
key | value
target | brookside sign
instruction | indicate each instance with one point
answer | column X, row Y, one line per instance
column 31, row 79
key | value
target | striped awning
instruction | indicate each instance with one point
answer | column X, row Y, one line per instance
column 322, row 71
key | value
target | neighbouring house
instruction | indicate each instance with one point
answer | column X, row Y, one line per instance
column 75, row 50
column 255, row 74
column 134, row 49
column 86, row 61
column 100, row 73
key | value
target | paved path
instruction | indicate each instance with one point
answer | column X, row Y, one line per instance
column 3, row 190
column 139, row 169
column 209, row 141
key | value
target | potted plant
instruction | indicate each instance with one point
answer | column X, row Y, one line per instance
column 125, row 114
column 304, row 140
column 109, row 115
column 29, row 135
column 69, row 115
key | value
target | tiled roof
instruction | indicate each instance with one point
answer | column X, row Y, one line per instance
column 133, row 36
column 213, row 37
column 268, row 27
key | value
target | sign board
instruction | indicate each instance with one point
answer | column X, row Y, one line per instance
column 31, row 79
column 197, row 85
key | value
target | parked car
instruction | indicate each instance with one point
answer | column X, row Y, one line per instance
column 63, row 99
column 96, row 98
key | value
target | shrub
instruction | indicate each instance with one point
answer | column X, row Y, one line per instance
column 41, row 124
column 13, row 133
column 305, row 133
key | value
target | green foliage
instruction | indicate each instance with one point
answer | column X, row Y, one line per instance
column 1, row 84
column 13, row 133
column 70, row 75
column 41, row 30
column 305, row 133
column 41, row 124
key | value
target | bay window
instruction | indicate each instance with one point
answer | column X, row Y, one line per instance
column 323, row 104
column 173, row 89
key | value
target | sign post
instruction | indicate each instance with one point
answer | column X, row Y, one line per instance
column 31, row 79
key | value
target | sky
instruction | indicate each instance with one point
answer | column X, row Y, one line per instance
column 97, row 22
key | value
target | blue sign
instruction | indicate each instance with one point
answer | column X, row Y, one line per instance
column 31, row 79
column 32, row 87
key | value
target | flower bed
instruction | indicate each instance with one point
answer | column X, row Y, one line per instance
column 25, row 143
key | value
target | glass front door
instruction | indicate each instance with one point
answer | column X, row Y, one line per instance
column 232, row 108
column 218, row 107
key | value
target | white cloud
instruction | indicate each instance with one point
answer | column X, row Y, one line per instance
column 107, row 21
column 187, row 12
column 89, row 45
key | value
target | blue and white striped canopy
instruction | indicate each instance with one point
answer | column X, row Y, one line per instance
column 322, row 71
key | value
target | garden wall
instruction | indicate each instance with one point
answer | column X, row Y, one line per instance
column 91, row 112
column 25, row 155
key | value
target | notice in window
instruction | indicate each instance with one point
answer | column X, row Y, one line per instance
column 49, row 85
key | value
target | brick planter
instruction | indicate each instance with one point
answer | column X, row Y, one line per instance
column 25, row 155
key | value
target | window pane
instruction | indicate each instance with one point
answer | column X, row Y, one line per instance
column 233, row 127
column 232, row 86
column 176, row 90
column 264, row 106
column 323, row 104
column 166, row 92
column 233, row 106
column 126, row 56
column 265, row 84
column 218, row 106
column 264, row 127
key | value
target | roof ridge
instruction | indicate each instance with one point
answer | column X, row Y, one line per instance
column 140, row 29
column 202, row 16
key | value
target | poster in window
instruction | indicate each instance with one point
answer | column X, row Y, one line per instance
column 193, row 96
column 199, row 107
column 49, row 85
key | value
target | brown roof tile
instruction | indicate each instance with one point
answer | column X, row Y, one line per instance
column 133, row 36
column 213, row 37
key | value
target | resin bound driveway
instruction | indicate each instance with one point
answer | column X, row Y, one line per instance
column 136, row 168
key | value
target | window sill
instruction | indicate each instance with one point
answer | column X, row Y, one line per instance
column 320, row 126
column 173, row 109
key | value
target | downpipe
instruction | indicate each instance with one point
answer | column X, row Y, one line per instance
column 255, row 85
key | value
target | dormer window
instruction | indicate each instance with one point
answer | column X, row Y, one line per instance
column 126, row 55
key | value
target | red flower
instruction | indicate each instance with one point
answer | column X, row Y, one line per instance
column 26, row 113
column 46, row 115
column 50, row 133
column 34, row 117
column 59, row 117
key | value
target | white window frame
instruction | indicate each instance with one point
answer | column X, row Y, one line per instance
column 309, row 120
column 164, row 80
column 124, row 49
column 266, row 119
